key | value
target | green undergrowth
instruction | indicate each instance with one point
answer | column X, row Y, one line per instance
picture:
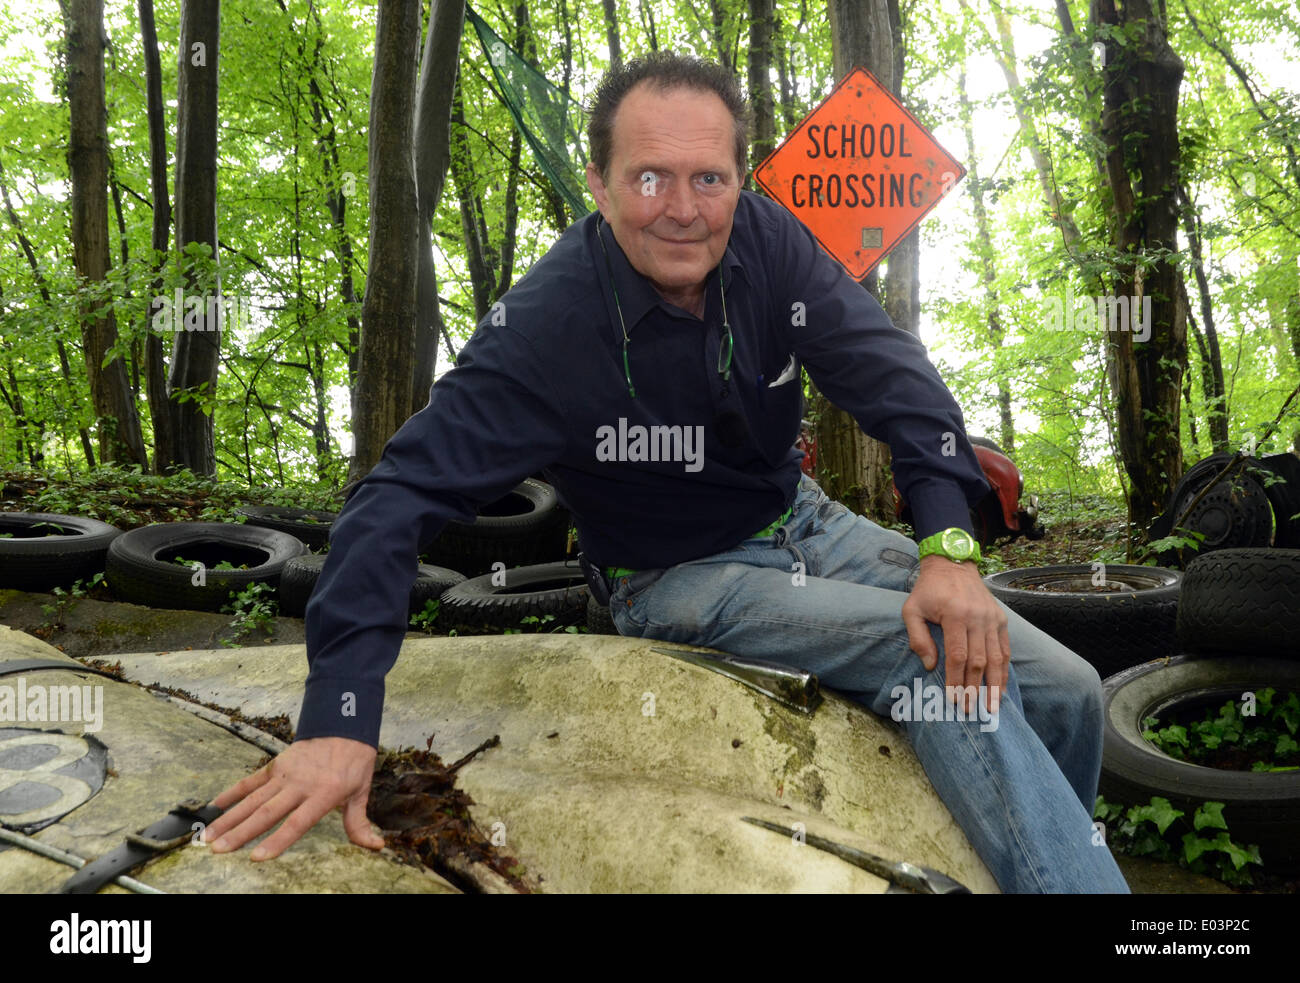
column 126, row 498
column 1200, row 843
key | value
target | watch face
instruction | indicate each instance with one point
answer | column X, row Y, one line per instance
column 958, row 544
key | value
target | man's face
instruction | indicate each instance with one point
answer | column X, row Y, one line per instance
column 672, row 186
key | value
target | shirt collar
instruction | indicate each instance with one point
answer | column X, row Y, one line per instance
column 636, row 294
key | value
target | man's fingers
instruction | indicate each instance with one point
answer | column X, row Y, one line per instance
column 996, row 669
column 1005, row 641
column 358, row 826
column 219, row 829
column 305, row 814
column 259, row 818
column 918, row 637
column 977, row 658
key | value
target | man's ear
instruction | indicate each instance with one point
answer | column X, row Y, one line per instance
column 596, row 185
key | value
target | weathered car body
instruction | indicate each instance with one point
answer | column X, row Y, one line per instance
column 623, row 766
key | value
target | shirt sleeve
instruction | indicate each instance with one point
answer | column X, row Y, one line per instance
column 881, row 375
column 492, row 421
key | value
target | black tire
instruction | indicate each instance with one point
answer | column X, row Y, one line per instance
column 1242, row 601
column 44, row 550
column 524, row 527
column 1236, row 513
column 300, row 574
column 1112, row 630
column 1261, row 808
column 547, row 588
column 309, row 525
column 985, row 442
column 430, row 584
column 140, row 567
column 599, row 620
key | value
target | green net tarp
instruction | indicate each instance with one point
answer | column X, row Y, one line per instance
column 550, row 121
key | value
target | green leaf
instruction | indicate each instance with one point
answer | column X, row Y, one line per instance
column 1159, row 812
column 1209, row 815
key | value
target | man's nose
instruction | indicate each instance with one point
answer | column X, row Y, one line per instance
column 681, row 205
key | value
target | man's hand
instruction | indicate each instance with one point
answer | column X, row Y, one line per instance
column 976, row 646
column 306, row 781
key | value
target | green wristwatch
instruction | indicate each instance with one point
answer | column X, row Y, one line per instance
column 956, row 544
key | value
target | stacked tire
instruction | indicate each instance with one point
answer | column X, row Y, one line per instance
column 1112, row 615
column 1238, row 626
column 300, row 574
column 41, row 550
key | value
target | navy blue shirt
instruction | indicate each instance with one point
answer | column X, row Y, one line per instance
column 689, row 467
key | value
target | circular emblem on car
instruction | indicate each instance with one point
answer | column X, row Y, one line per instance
column 44, row 775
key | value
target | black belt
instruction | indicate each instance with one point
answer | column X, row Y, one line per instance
column 165, row 835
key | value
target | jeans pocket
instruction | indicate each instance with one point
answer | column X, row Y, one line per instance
column 628, row 598
column 905, row 561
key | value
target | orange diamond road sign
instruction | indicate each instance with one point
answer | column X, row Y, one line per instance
column 860, row 172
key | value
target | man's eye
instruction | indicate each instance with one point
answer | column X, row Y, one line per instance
column 711, row 179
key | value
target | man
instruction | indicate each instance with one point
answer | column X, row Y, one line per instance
column 683, row 311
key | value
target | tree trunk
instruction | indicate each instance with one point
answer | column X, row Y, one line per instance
column 611, row 35
column 432, row 156
column 988, row 272
column 339, row 186
column 118, row 421
column 762, row 20
column 1140, row 131
column 155, row 376
column 196, row 353
column 388, row 317
column 1216, row 396
column 902, row 288
column 481, row 277
column 851, row 467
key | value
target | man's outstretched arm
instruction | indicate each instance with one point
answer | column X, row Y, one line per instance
column 488, row 424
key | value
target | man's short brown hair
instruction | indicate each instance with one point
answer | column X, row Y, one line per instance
column 665, row 70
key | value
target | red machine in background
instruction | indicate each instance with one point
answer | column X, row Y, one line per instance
column 997, row 515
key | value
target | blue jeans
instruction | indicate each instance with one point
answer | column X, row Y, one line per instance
column 1022, row 791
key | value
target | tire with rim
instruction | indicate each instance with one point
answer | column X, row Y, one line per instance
column 299, row 576
column 41, row 550
column 1242, row 601
column 310, row 525
column 1112, row 629
column 141, row 565
column 526, row 526
column 1260, row 807
column 599, row 620
column 559, row 589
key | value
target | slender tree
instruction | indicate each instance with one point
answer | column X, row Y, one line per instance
column 432, row 157
column 1140, row 131
column 852, row 467
column 118, row 421
column 192, row 381
column 382, row 399
column 155, row 350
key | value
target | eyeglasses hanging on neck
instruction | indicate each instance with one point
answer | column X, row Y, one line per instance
column 724, row 348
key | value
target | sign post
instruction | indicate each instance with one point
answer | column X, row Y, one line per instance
column 860, row 172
